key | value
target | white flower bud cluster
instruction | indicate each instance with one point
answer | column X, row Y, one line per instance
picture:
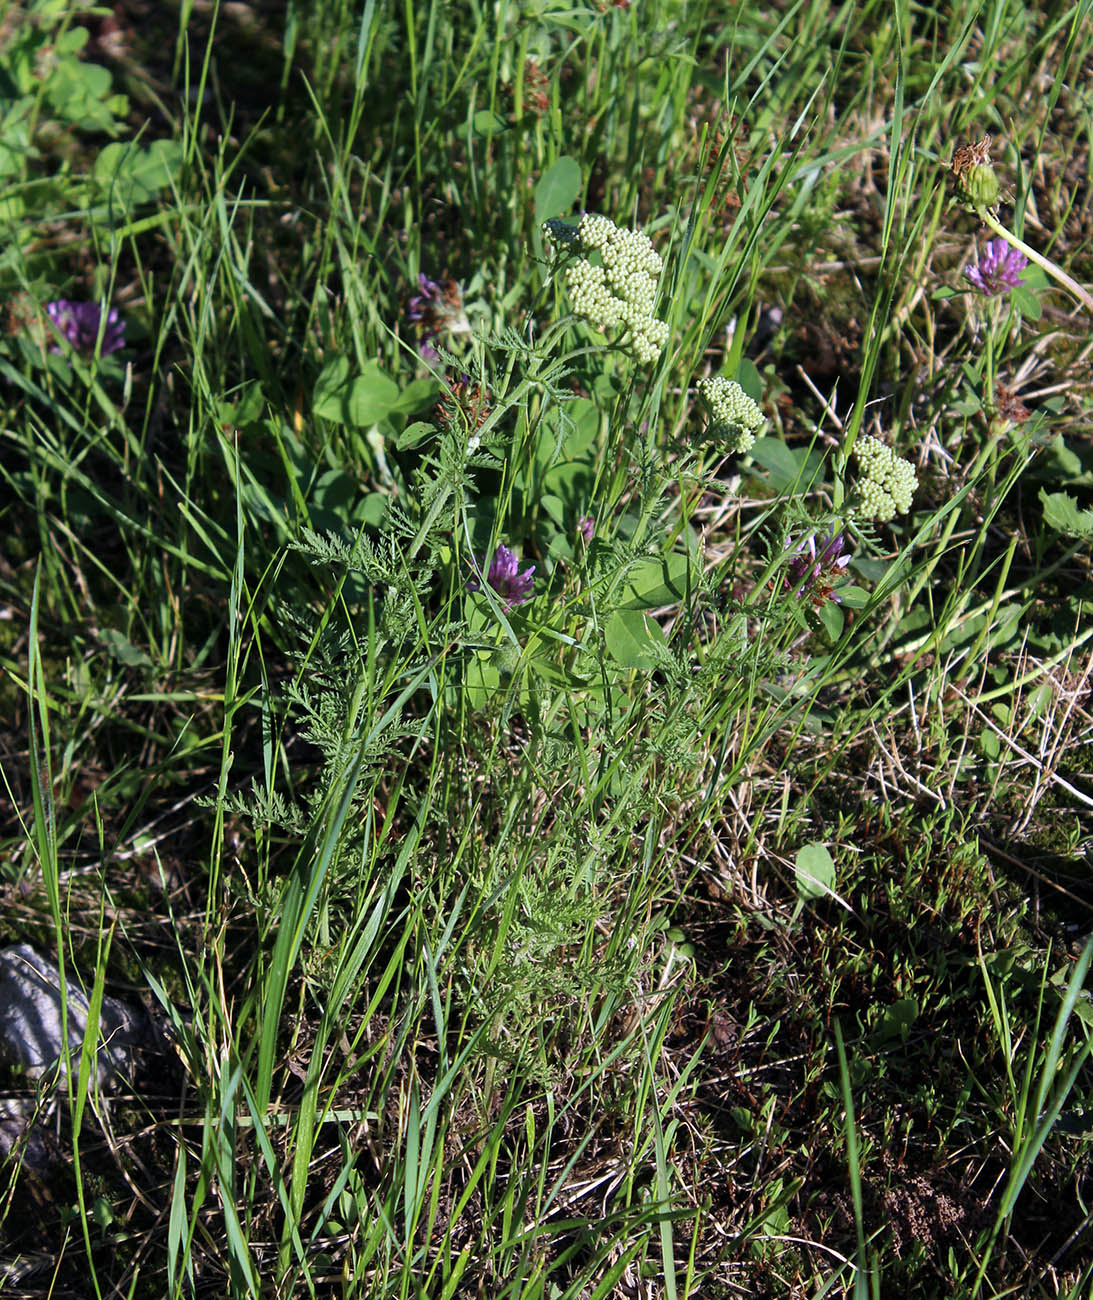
column 734, row 417
column 620, row 289
column 887, row 481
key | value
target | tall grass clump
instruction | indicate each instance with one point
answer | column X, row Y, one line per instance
column 545, row 566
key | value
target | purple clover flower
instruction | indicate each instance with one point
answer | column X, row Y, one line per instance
column 436, row 309
column 998, row 269
column 79, row 323
column 422, row 304
column 422, row 312
column 504, row 577
column 812, row 572
column 586, row 526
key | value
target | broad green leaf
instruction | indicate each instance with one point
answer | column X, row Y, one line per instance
column 555, row 508
column 371, row 509
column 749, row 379
column 418, row 395
column 560, row 676
column 371, row 397
column 127, row 175
column 1027, row 303
column 571, row 481
column 652, row 584
column 332, row 378
column 1037, row 703
column 832, row 617
column 784, row 467
column 1062, row 512
column 853, row 597
column 1069, row 465
column 632, row 638
column 362, row 401
column 413, row 435
column 123, row 650
column 485, row 122
column 577, row 438
column 334, row 490
column 482, row 683
column 558, row 189
column 815, row 871
column 244, row 406
column 71, row 41
column 969, row 405
column 1063, row 458
column 898, row 1019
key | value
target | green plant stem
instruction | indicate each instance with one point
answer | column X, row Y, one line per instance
column 1045, row 264
column 552, row 366
column 988, row 361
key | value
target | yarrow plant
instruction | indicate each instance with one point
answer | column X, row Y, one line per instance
column 887, row 482
column 734, row 418
column 505, row 578
column 617, row 291
column 998, row 269
column 79, row 322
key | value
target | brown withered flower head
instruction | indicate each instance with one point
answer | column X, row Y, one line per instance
column 536, row 87
column 465, row 401
column 1009, row 406
column 974, row 176
column 967, row 156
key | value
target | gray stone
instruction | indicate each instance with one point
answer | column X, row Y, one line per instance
column 20, row 1134
column 30, row 1020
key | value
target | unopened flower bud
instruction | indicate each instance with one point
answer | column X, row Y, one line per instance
column 618, row 289
column 886, row 482
column 734, row 418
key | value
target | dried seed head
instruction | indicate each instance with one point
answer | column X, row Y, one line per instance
column 974, row 176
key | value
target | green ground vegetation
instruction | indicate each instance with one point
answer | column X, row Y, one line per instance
column 705, row 913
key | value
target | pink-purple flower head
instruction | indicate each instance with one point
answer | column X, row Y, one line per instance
column 586, row 527
column 436, row 309
column 813, row 571
column 998, row 269
column 79, row 322
column 511, row 586
column 422, row 303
